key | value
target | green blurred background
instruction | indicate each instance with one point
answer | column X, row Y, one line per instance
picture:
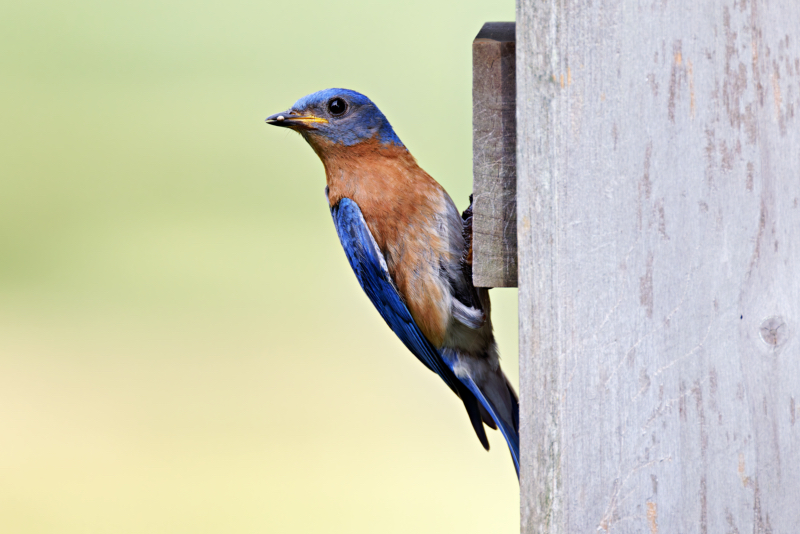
column 183, row 347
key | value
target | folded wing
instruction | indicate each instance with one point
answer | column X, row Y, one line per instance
column 370, row 268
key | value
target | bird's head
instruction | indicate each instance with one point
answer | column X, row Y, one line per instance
column 337, row 117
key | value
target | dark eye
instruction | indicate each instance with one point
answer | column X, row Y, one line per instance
column 337, row 106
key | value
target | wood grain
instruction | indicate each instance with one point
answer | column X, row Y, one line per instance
column 494, row 156
column 659, row 248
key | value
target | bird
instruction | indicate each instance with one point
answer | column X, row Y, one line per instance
column 404, row 239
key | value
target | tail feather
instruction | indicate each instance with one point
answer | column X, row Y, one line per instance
column 515, row 404
column 488, row 397
column 475, row 411
column 507, row 422
column 487, row 417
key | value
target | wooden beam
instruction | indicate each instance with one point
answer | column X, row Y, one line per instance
column 659, row 244
column 494, row 156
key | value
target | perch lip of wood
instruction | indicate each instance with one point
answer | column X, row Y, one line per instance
column 494, row 156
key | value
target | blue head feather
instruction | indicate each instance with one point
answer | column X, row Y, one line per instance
column 361, row 121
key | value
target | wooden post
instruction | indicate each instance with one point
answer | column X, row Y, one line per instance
column 659, row 265
column 494, row 145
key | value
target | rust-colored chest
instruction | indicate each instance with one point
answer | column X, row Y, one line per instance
column 402, row 206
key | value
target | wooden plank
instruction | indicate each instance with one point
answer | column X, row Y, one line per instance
column 659, row 246
column 494, row 156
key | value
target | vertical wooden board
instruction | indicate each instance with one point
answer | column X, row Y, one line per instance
column 659, row 242
column 494, row 156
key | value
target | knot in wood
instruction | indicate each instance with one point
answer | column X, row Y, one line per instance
column 773, row 331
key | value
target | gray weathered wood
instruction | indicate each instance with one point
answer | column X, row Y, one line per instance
column 494, row 156
column 659, row 247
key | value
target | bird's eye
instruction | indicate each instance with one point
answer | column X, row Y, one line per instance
column 337, row 106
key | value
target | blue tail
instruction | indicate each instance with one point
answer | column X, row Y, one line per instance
column 509, row 426
column 495, row 395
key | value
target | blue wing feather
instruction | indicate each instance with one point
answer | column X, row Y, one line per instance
column 372, row 273
column 370, row 268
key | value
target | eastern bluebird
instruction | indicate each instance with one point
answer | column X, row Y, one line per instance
column 403, row 238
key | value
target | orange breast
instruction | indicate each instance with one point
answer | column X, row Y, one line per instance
column 403, row 207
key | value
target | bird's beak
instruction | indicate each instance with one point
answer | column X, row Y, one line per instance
column 294, row 120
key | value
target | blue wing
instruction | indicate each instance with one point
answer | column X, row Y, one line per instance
column 370, row 268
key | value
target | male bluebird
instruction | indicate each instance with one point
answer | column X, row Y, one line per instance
column 403, row 237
